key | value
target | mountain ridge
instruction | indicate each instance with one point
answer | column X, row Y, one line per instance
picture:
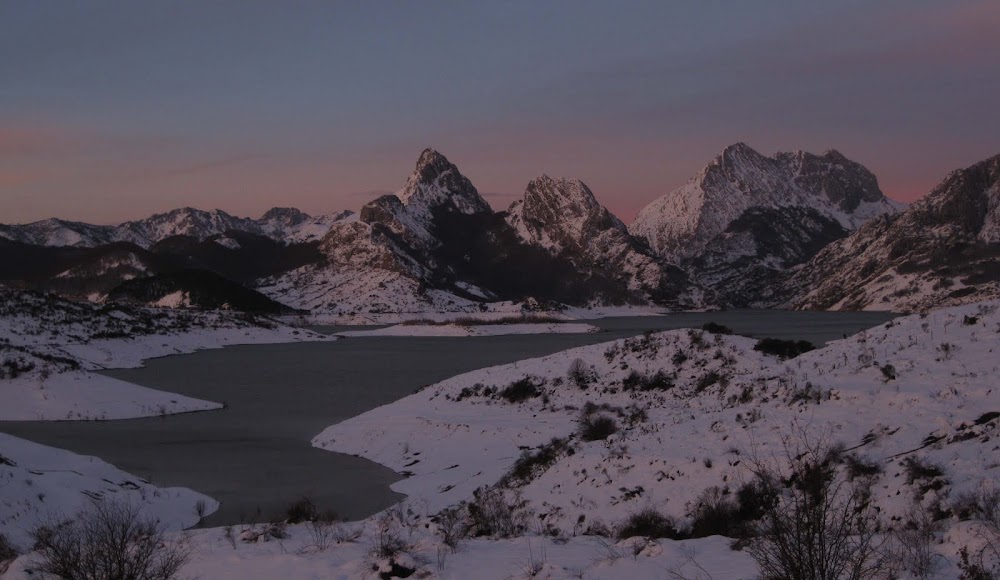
column 942, row 251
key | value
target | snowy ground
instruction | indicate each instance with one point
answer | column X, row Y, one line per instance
column 919, row 388
column 691, row 410
column 38, row 483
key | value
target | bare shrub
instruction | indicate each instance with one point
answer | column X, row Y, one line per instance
column 648, row 523
column 596, row 427
column 200, row 507
column 783, row 349
column 302, row 510
column 821, row 525
column 498, row 513
column 322, row 531
column 984, row 562
column 7, row 553
column 452, row 525
column 915, row 540
column 343, row 534
column 389, row 551
column 520, row 391
column 532, row 464
column 580, row 373
column 718, row 512
column 110, row 540
column 230, row 535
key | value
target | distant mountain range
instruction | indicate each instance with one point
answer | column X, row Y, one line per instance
column 280, row 223
column 790, row 230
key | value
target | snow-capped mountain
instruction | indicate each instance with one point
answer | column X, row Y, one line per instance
column 437, row 245
column 282, row 224
column 746, row 217
column 563, row 217
column 57, row 232
column 383, row 261
column 941, row 251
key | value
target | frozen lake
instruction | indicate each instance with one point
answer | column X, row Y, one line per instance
column 255, row 455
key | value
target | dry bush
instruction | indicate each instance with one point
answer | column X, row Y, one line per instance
column 821, row 524
column 111, row 540
column 915, row 540
column 497, row 513
column 984, row 562
column 648, row 523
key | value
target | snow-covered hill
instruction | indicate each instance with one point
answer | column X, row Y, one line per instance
column 906, row 403
column 943, row 250
column 282, row 224
column 41, row 483
column 746, row 217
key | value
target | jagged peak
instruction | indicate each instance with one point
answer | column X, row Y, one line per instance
column 561, row 184
column 739, row 146
column 431, row 157
column 739, row 149
column 571, row 194
column 438, row 182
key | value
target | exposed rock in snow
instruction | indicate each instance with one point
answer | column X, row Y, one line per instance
column 747, row 217
column 943, row 250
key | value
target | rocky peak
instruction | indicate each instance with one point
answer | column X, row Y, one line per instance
column 738, row 153
column 845, row 183
column 565, row 198
column 437, row 183
column 681, row 223
column 561, row 214
column 967, row 199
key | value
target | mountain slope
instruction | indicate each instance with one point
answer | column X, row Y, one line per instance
column 746, row 217
column 941, row 251
column 200, row 289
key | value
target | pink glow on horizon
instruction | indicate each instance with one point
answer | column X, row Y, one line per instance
column 47, row 172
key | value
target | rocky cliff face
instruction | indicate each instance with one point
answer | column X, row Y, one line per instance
column 941, row 251
column 563, row 217
column 746, row 218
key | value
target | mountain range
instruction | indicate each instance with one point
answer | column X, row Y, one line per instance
column 789, row 230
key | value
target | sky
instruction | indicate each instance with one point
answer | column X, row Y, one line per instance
column 115, row 110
